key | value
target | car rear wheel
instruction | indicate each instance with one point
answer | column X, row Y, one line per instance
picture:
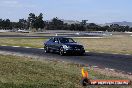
column 61, row 52
column 46, row 49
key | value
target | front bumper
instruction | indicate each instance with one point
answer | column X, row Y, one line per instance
column 74, row 51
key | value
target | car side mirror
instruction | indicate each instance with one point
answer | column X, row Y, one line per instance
column 75, row 41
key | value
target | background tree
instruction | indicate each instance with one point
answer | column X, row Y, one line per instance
column 0, row 23
column 73, row 27
column 92, row 27
column 56, row 24
column 31, row 20
column 5, row 24
column 22, row 24
column 35, row 21
column 39, row 23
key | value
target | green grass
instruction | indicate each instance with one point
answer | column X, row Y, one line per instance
column 22, row 72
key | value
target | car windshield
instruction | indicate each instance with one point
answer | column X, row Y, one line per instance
column 67, row 40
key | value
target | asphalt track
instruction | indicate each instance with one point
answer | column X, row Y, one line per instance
column 113, row 61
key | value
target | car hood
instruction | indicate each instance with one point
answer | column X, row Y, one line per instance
column 72, row 44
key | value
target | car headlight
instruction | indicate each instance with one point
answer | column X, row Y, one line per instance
column 66, row 47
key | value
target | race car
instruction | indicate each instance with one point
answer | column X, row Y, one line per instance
column 63, row 46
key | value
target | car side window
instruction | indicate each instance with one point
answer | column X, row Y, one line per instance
column 51, row 40
column 55, row 39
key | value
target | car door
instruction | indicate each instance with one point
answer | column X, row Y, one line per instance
column 55, row 44
column 50, row 43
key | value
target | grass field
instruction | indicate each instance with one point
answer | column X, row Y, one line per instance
column 36, row 43
column 120, row 44
column 22, row 72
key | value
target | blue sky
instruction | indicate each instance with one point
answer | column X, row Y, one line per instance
column 97, row 11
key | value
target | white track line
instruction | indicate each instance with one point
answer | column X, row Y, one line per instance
column 129, row 73
column 95, row 66
column 112, row 69
column 127, row 54
column 27, row 47
column 16, row 46
column 40, row 48
column 107, row 68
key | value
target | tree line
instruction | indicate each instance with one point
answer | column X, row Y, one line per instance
column 36, row 23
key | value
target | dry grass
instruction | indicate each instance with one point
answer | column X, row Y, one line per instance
column 36, row 43
column 122, row 45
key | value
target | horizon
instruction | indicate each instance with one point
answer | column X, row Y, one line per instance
column 95, row 11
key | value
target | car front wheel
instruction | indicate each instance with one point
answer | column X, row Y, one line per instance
column 46, row 49
column 61, row 52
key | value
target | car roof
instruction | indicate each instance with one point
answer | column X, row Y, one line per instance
column 59, row 37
